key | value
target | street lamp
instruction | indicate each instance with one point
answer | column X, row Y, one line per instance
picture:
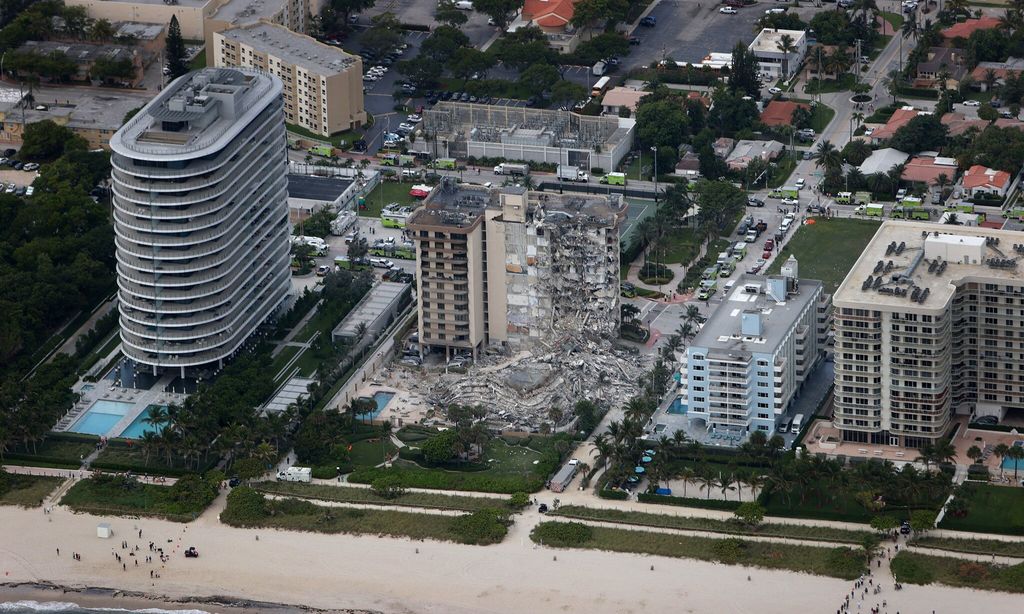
column 655, row 150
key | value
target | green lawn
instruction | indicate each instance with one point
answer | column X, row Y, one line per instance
column 838, row 562
column 385, row 193
column 828, row 86
column 52, row 450
column 784, row 167
column 678, row 246
column 632, row 170
column 914, row 568
column 712, row 525
column 123, row 457
column 370, row 452
column 339, row 140
column 283, row 357
column 827, row 249
column 823, row 114
column 351, row 494
column 991, row 509
column 199, row 61
column 894, row 19
column 27, row 490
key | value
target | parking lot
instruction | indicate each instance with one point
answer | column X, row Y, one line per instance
column 421, row 13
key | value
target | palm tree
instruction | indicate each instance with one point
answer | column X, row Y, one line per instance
column 828, row 156
column 706, row 479
column 1016, row 453
column 1000, row 452
column 603, row 449
column 975, row 454
column 686, row 474
column 156, row 416
column 786, row 46
column 944, row 451
column 149, row 442
column 926, row 455
column 895, row 174
column 725, row 483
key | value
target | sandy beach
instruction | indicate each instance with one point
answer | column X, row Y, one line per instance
column 339, row 572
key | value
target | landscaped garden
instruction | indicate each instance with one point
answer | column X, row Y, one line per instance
column 839, row 562
column 997, row 547
column 989, row 509
column 352, row 494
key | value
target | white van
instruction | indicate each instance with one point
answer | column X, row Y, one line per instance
column 464, row 5
column 784, row 226
column 798, row 422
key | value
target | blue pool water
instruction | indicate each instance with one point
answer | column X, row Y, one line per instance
column 139, row 426
column 1011, row 464
column 382, row 399
column 677, row 407
column 100, row 417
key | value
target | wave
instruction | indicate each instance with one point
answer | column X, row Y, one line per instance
column 28, row 606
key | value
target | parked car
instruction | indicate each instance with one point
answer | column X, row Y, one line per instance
column 790, row 201
column 727, row 10
column 31, row 166
column 972, row 103
column 634, row 40
column 755, row 202
column 800, row 182
column 29, row 191
column 649, row 22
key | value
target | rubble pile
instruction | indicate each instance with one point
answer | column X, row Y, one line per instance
column 518, row 393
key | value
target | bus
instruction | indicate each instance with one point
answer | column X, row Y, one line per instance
column 600, row 86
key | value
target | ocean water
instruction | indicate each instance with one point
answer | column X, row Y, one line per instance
column 67, row 607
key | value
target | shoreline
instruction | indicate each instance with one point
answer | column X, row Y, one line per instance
column 96, row 597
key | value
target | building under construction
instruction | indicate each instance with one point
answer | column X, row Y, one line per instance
column 515, row 268
column 460, row 130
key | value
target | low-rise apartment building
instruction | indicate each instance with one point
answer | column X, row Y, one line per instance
column 323, row 88
column 929, row 325
column 511, row 267
column 779, row 52
column 750, row 359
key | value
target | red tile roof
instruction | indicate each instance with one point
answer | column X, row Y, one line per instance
column 980, row 176
column 957, row 124
column 899, row 119
column 780, row 112
column 549, row 13
column 965, row 28
column 925, row 170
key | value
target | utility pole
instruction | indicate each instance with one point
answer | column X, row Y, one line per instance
column 860, row 64
column 819, row 74
column 655, row 150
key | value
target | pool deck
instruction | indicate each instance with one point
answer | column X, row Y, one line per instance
column 106, row 390
column 403, row 408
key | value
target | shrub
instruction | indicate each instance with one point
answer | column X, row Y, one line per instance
column 325, row 472
column 519, row 500
column 972, row 572
column 729, row 550
column 714, row 504
column 562, row 534
column 248, row 468
column 750, row 513
column 845, row 562
column 245, row 507
column 487, row 526
column 618, row 495
column 911, row 570
column 388, row 487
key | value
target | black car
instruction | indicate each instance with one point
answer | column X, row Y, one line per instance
column 234, row 481
column 18, row 165
column 359, row 145
column 543, row 508
column 634, row 40
column 649, row 22
column 905, row 528
column 10, row 152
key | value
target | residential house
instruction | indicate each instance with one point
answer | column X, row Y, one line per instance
column 723, row 146
column 746, row 151
column 957, row 124
column 553, row 17
column 995, row 72
column 982, row 181
column 84, row 55
column 771, row 61
column 780, row 112
column 928, row 169
column 619, row 98
column 149, row 37
column 901, row 117
column 964, row 29
column 688, row 165
column 939, row 60
column 814, row 54
column 882, row 161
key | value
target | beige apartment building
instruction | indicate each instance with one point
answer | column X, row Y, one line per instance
column 511, row 267
column 190, row 13
column 323, row 88
column 929, row 324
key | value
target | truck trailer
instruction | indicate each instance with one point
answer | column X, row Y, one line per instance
column 572, row 173
column 295, row 474
column 507, row 168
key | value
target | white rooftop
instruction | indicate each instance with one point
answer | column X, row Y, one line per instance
column 768, row 39
column 293, row 48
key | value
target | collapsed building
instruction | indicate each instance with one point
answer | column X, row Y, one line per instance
column 526, row 274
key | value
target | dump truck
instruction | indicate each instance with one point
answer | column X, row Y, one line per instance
column 614, row 179
column 295, row 474
column 572, row 173
column 507, row 168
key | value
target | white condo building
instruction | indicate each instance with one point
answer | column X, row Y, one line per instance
column 201, row 218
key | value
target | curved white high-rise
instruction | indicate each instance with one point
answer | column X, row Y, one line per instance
column 201, row 217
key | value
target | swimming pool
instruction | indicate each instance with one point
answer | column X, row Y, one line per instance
column 100, row 417
column 382, row 398
column 1011, row 464
column 140, row 426
column 677, row 407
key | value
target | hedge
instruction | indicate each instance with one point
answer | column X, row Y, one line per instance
column 128, row 467
column 713, row 504
column 619, row 495
column 451, row 480
column 918, row 92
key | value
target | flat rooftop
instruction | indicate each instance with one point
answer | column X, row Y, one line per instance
column 327, row 189
column 297, row 49
column 197, row 114
column 77, row 107
column 186, row 3
column 80, row 53
column 141, row 31
column 248, row 11
column 594, row 209
column 768, row 39
column 722, row 331
column 933, row 258
column 377, row 302
column 459, row 205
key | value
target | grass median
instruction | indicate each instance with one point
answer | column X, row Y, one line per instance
column 26, row 490
column 790, row 531
column 350, row 494
column 971, row 546
column 915, row 568
column 837, row 562
column 248, row 508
